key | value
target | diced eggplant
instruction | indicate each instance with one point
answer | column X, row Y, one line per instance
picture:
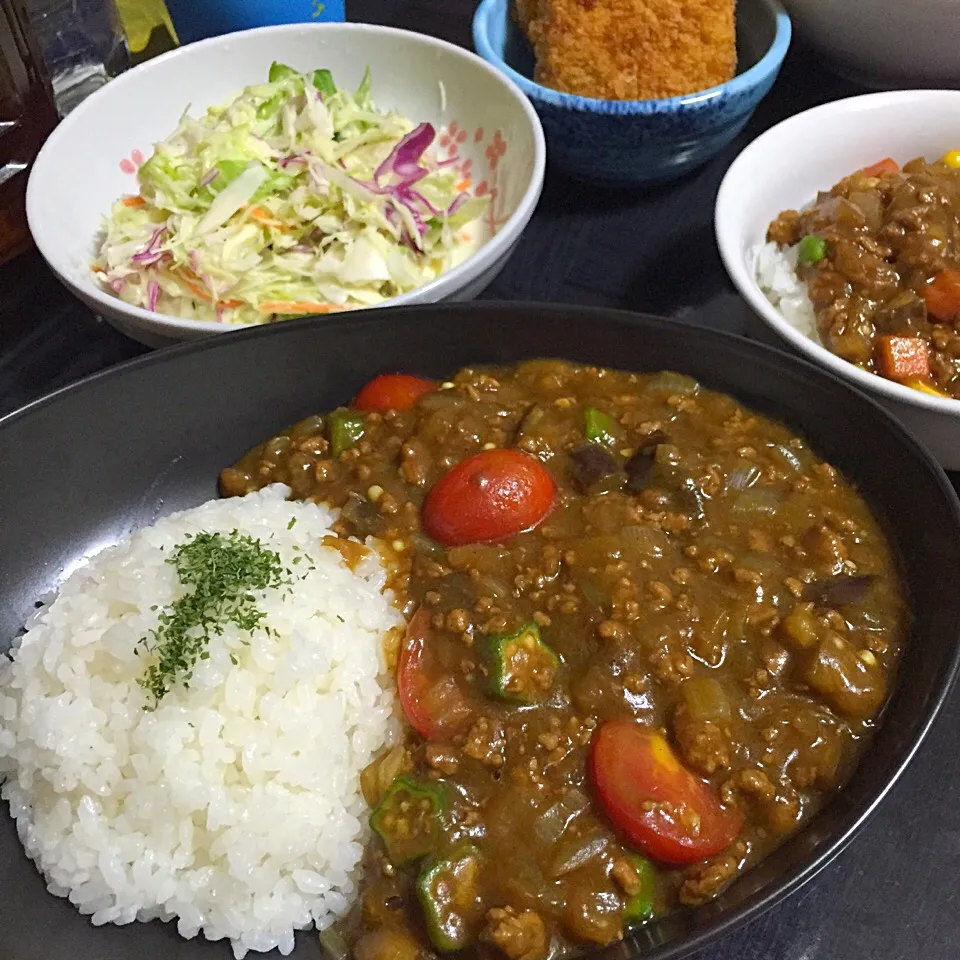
column 838, row 591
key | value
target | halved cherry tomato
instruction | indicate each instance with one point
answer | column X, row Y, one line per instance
column 491, row 496
column 435, row 709
column 392, row 391
column 878, row 169
column 660, row 806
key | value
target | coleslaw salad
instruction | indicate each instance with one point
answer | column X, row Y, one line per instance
column 296, row 197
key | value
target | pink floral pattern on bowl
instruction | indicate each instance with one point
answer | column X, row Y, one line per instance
column 130, row 165
column 491, row 181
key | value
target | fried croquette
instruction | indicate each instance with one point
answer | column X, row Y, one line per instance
column 630, row 49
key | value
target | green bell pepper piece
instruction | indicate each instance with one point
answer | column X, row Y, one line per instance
column 345, row 429
column 601, row 427
column 449, row 892
column 640, row 906
column 524, row 668
column 408, row 819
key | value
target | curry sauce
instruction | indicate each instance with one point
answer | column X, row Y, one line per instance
column 619, row 709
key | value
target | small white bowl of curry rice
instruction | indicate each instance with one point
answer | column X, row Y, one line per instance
column 841, row 229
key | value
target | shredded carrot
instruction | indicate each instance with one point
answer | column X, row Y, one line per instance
column 134, row 202
column 202, row 292
column 464, row 185
column 294, row 308
column 264, row 216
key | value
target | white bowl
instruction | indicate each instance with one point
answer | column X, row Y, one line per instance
column 785, row 167
column 885, row 42
column 90, row 159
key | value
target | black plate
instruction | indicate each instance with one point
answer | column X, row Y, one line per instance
column 87, row 465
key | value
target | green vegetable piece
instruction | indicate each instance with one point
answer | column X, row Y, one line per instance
column 280, row 71
column 323, row 81
column 640, row 906
column 449, row 893
column 601, row 427
column 227, row 171
column 270, row 108
column 362, row 96
column 346, row 429
column 524, row 667
column 812, row 249
column 408, row 819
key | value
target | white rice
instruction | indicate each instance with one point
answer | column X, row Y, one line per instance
column 777, row 276
column 234, row 806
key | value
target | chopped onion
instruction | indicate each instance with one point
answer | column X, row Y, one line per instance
column 762, row 562
column 743, row 476
column 550, row 825
column 209, row 177
column 575, row 800
column 757, row 503
column 333, row 945
column 706, row 699
column 787, row 457
column 569, row 859
column 669, row 381
column 644, row 539
column 444, row 703
column 153, row 294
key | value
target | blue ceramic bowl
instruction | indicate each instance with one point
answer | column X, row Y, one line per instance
column 628, row 142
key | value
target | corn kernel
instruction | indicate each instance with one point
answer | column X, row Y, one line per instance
column 374, row 493
column 952, row 159
column 868, row 658
column 489, row 446
column 398, row 546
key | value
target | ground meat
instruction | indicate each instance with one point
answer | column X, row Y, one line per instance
column 442, row 758
column 485, row 742
column 521, row 936
column 705, row 880
column 626, row 876
column 705, row 744
column 415, row 462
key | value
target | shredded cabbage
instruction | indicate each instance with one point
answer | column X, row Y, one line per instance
column 296, row 197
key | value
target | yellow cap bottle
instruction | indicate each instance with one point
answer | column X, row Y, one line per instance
column 142, row 19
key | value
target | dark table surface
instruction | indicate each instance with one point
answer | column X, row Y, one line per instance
column 895, row 893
